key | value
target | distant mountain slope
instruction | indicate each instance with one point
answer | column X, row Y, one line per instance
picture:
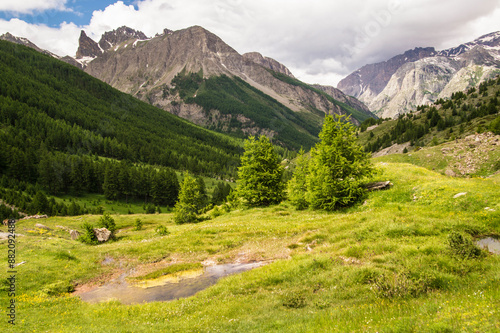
column 146, row 67
column 49, row 106
column 463, row 115
column 423, row 75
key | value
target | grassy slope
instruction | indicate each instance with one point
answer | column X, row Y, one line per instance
column 401, row 230
column 465, row 157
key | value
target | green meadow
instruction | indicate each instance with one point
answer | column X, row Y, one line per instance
column 384, row 265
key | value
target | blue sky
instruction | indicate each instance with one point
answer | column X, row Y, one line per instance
column 79, row 12
column 321, row 41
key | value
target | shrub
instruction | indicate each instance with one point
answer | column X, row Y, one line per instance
column 106, row 221
column 463, row 246
column 294, row 300
column 88, row 236
column 137, row 225
column 149, row 208
column 162, row 230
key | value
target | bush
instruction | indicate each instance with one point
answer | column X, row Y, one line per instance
column 495, row 125
column 137, row 225
column 149, row 208
column 106, row 221
column 294, row 300
column 88, row 236
column 162, row 230
column 463, row 246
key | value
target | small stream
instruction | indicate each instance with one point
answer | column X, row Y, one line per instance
column 491, row 244
column 126, row 293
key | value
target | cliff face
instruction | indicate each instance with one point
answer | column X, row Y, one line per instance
column 422, row 76
column 87, row 47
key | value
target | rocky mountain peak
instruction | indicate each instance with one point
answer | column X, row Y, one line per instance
column 267, row 62
column 122, row 34
column 422, row 75
column 87, row 47
column 488, row 41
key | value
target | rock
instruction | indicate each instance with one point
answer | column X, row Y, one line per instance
column 19, row 264
column 35, row 217
column 450, row 173
column 41, row 226
column 6, row 221
column 74, row 234
column 458, row 195
column 377, row 186
column 102, row 234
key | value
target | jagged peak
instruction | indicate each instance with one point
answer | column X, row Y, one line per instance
column 87, row 47
column 122, row 34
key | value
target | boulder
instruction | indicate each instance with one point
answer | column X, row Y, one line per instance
column 6, row 221
column 377, row 186
column 450, row 173
column 102, row 234
column 74, row 234
column 41, row 226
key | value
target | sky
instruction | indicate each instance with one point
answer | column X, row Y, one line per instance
column 320, row 41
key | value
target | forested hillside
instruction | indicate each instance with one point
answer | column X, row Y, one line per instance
column 67, row 132
column 241, row 104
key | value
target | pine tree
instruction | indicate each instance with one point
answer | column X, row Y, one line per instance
column 337, row 167
column 186, row 210
column 297, row 186
column 111, row 183
column 40, row 203
column 260, row 173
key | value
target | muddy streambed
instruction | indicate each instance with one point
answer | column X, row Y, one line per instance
column 164, row 288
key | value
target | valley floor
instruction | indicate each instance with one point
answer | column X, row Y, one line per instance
column 384, row 265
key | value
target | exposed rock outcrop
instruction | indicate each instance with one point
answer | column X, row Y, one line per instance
column 87, row 47
column 267, row 62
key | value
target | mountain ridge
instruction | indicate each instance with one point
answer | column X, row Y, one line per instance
column 423, row 75
column 146, row 69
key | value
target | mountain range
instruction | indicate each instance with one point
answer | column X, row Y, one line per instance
column 423, row 75
column 194, row 74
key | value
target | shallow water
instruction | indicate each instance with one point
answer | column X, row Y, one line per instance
column 491, row 244
column 127, row 293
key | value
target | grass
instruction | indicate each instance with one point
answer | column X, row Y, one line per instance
column 384, row 265
column 172, row 269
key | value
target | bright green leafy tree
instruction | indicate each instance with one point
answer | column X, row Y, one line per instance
column 260, row 173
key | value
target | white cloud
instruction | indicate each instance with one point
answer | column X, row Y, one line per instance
column 61, row 40
column 321, row 41
column 30, row 6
